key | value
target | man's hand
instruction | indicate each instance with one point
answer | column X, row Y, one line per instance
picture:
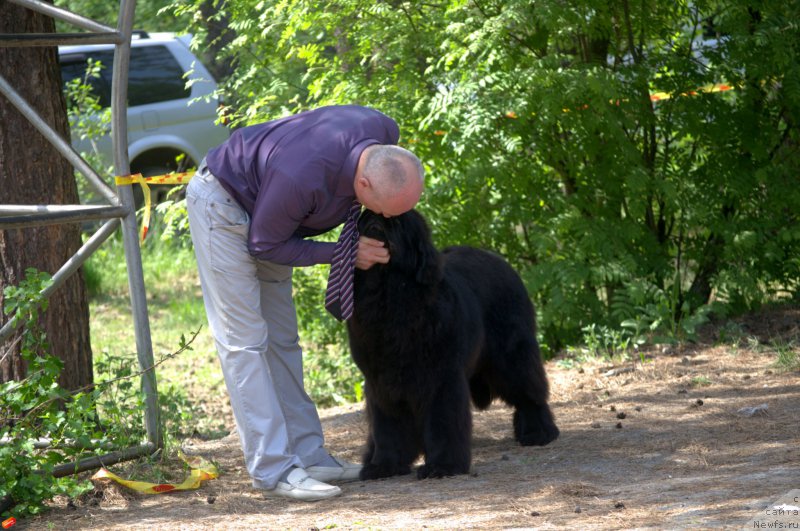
column 371, row 252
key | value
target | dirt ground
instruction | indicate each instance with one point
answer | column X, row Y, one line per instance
column 659, row 444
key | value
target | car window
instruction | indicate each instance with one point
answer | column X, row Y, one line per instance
column 74, row 66
column 154, row 75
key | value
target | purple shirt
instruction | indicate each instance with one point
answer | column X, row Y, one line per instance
column 295, row 175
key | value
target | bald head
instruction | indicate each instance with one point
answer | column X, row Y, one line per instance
column 389, row 179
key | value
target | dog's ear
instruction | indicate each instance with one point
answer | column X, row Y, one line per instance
column 427, row 265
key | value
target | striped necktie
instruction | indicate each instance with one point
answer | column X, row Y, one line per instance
column 339, row 295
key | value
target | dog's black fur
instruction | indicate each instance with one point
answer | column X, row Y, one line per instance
column 430, row 330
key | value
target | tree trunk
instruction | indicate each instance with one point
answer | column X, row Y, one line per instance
column 33, row 172
column 219, row 35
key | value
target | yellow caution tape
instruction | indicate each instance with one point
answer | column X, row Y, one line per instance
column 137, row 178
column 202, row 470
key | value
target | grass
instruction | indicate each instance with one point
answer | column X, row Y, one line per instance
column 700, row 381
column 787, row 358
column 193, row 380
column 191, row 387
column 192, row 383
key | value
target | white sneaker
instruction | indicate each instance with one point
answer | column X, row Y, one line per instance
column 342, row 473
column 300, row 486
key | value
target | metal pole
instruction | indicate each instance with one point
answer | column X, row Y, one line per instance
column 130, row 236
column 124, row 209
column 9, row 40
column 24, row 210
column 69, row 267
column 91, row 463
column 61, row 216
column 64, row 14
column 59, row 143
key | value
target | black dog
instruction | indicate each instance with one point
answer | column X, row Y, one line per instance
column 429, row 330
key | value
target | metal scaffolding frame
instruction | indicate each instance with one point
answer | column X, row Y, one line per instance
column 120, row 209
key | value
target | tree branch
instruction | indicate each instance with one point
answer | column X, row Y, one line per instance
column 629, row 27
column 185, row 346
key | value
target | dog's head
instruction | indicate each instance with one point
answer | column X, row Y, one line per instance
column 408, row 239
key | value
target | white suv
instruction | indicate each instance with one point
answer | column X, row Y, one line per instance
column 171, row 107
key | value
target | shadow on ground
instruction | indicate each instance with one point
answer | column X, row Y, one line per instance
column 662, row 445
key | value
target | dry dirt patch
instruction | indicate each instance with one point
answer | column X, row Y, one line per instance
column 659, row 444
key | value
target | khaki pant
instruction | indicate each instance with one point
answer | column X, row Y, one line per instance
column 254, row 324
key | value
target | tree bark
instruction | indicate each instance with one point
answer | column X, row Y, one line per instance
column 219, row 35
column 33, row 172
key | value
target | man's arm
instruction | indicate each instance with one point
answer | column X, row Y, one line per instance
column 276, row 218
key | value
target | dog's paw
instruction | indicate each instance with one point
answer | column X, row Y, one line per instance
column 377, row 471
column 438, row 471
column 535, row 428
column 543, row 435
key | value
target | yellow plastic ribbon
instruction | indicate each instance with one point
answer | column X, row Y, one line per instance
column 202, row 470
column 137, row 178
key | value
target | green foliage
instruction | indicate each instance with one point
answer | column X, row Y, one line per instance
column 331, row 377
column 150, row 15
column 649, row 314
column 122, row 402
column 731, row 334
column 173, row 217
column 605, row 342
column 167, row 261
column 88, row 120
column 30, row 408
column 106, row 415
column 541, row 142
column 175, row 303
column 700, row 381
column 786, row 355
